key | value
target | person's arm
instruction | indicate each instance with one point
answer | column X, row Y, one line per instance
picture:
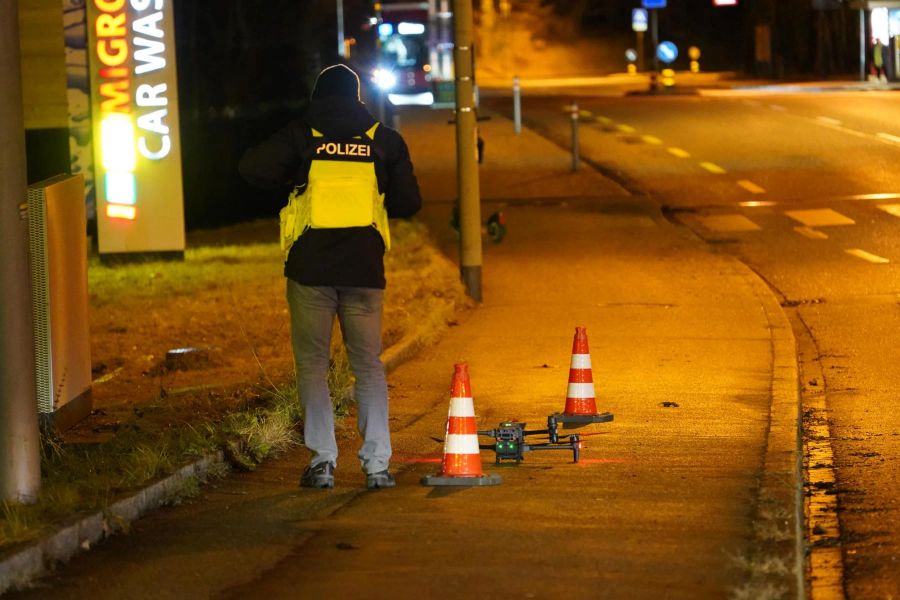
column 402, row 197
column 271, row 164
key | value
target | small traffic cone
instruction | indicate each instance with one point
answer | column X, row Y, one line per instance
column 462, row 456
column 581, row 406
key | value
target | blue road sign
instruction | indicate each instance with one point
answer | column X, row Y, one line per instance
column 667, row 52
column 639, row 19
column 653, row 3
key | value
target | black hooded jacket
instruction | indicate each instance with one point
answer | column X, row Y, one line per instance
column 352, row 256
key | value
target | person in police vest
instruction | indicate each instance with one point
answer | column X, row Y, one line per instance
column 350, row 174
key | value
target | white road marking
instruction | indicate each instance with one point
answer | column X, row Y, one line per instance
column 891, row 209
column 819, row 217
column 888, row 137
column 777, row 107
column 756, row 203
column 870, row 197
column 828, row 120
column 811, row 233
column 713, row 168
column 625, row 128
column 679, row 152
column 651, row 139
column 867, row 256
column 751, row 187
column 728, row 223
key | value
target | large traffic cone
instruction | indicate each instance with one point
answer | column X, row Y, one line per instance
column 581, row 406
column 462, row 457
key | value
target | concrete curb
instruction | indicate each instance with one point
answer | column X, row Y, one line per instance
column 62, row 543
column 778, row 514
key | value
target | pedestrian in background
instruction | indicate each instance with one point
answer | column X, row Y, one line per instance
column 350, row 173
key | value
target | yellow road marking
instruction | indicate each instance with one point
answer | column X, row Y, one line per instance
column 819, row 217
column 585, row 113
column 625, row 128
column 679, row 152
column 811, row 233
column 604, row 120
column 751, row 187
column 713, row 168
column 651, row 139
column 867, row 256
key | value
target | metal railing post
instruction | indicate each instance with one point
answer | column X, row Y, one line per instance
column 574, row 136
column 517, row 105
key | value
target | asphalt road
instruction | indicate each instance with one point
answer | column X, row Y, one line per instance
column 805, row 189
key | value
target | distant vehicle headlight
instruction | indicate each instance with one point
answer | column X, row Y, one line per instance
column 384, row 79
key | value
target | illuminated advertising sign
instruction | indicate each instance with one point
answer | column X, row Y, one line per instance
column 134, row 99
column 725, row 2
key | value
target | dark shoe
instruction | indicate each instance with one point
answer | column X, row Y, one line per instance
column 381, row 479
column 318, row 476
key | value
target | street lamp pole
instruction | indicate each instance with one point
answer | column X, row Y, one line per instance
column 466, row 151
column 20, row 466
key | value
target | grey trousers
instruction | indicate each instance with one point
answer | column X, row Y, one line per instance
column 359, row 311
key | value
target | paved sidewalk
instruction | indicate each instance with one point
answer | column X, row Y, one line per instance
column 680, row 497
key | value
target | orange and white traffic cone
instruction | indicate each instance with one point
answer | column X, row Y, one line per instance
column 581, row 405
column 462, row 456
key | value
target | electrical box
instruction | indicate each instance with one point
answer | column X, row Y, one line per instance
column 57, row 239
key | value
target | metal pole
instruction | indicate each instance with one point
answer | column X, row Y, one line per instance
column 640, row 50
column 466, row 151
column 654, row 43
column 574, row 136
column 340, row 29
column 862, row 44
column 20, row 466
column 517, row 105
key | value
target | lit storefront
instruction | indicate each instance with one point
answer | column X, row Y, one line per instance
column 879, row 22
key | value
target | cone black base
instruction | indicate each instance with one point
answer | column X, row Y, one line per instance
column 486, row 479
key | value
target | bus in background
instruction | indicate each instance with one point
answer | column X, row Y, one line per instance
column 416, row 51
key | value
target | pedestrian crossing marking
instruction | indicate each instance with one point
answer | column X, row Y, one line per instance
column 867, row 256
column 819, row 217
column 679, row 152
column 651, row 139
column 713, row 168
column 751, row 187
column 728, row 223
column 811, row 233
column 891, row 209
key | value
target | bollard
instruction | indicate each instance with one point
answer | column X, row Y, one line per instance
column 517, row 105
column 574, row 136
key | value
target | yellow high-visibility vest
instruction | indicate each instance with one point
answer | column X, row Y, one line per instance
column 341, row 191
